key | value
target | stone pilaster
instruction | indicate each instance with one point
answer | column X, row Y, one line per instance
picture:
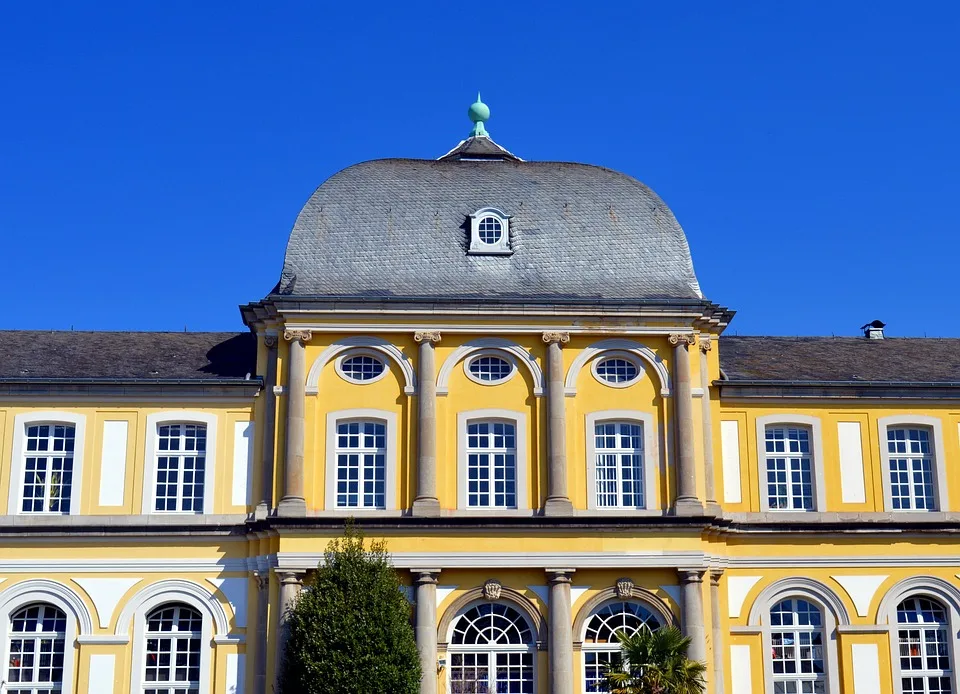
column 291, row 583
column 709, row 475
column 558, row 501
column 293, row 503
column 425, row 585
column 426, row 502
column 687, row 502
column 716, row 630
column 269, row 429
column 260, row 656
column 691, row 605
column 560, row 646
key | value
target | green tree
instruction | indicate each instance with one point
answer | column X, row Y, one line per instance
column 350, row 632
column 655, row 662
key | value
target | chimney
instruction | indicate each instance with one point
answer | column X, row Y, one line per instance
column 873, row 330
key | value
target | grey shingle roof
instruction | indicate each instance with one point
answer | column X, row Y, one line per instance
column 37, row 354
column 840, row 359
column 398, row 228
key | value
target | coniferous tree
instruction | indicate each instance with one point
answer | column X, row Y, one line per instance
column 350, row 631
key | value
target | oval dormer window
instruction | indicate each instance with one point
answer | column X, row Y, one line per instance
column 361, row 368
column 617, row 371
column 491, row 230
column 489, row 369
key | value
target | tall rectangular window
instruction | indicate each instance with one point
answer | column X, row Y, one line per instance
column 361, row 454
column 48, row 468
column 911, row 469
column 181, row 461
column 491, row 464
column 619, row 464
column 789, row 469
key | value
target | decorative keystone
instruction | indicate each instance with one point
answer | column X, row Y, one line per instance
column 492, row 589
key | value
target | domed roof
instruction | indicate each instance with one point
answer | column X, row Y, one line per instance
column 401, row 228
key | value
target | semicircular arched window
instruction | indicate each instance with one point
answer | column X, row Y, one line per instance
column 924, row 637
column 601, row 647
column 173, row 652
column 797, row 640
column 489, row 369
column 617, row 371
column 36, row 647
column 491, row 650
column 361, row 367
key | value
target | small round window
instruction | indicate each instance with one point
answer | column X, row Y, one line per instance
column 616, row 371
column 489, row 369
column 362, row 368
column 491, row 230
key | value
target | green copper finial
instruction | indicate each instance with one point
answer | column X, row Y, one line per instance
column 478, row 113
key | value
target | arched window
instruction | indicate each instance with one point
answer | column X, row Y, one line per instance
column 173, row 637
column 36, row 649
column 491, row 650
column 923, row 637
column 600, row 644
column 797, row 640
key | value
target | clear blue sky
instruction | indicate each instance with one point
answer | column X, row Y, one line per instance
column 154, row 155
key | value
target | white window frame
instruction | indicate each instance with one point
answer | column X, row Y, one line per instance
column 651, row 457
column 935, row 425
column 150, row 474
column 491, row 649
column 519, row 421
column 617, row 354
column 588, row 647
column 390, row 472
column 20, row 424
column 816, row 459
column 478, row 247
column 372, row 353
column 499, row 354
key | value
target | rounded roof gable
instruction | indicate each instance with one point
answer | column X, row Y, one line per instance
column 400, row 228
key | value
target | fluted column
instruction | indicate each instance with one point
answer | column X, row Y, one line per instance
column 260, row 658
column 558, row 502
column 560, row 646
column 291, row 583
column 709, row 481
column 426, row 503
column 293, row 503
column 691, row 605
column 687, row 502
column 269, row 429
column 425, row 583
column 717, row 631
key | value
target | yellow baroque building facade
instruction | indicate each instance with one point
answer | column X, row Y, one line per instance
column 508, row 370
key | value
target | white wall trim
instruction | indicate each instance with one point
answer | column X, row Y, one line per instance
column 330, row 465
column 620, row 345
column 150, row 457
column 861, row 590
column 520, row 422
column 100, row 679
column 850, row 442
column 865, row 659
column 378, row 344
column 818, row 461
column 651, row 454
column 741, row 669
column 730, row 461
column 939, row 458
column 106, row 593
column 738, row 588
column 20, row 422
column 244, row 434
column 113, row 462
column 521, row 355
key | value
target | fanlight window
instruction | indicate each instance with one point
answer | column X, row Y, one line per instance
column 173, row 650
column 362, row 368
column 923, row 635
column 797, row 637
column 600, row 644
column 489, row 369
column 36, row 648
column 617, row 371
column 491, row 650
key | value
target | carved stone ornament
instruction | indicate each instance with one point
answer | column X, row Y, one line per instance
column 269, row 341
column 552, row 336
column 492, row 589
column 431, row 336
column 682, row 339
column 263, row 580
column 706, row 343
column 301, row 335
column 624, row 588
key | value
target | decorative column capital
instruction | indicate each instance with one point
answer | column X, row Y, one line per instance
column 691, row 575
column 269, row 341
column 263, row 579
column 288, row 578
column 560, row 575
column 430, row 336
column 676, row 339
column 298, row 335
column 715, row 576
column 706, row 343
column 555, row 336
column 425, row 576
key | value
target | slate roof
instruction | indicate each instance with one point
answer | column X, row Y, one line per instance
column 125, row 356
column 397, row 228
column 840, row 359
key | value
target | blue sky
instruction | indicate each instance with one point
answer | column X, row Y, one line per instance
column 154, row 155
